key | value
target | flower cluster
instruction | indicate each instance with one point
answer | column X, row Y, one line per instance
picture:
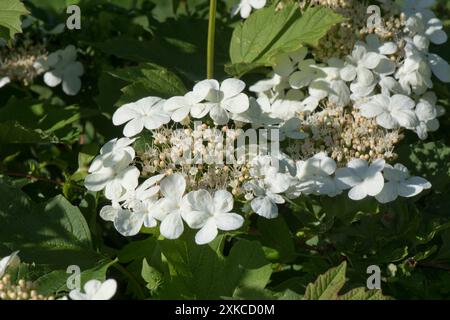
column 27, row 62
column 337, row 123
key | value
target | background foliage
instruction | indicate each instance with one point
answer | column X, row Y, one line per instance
column 136, row 48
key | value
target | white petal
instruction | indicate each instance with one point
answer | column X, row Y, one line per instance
column 258, row 4
column 106, row 291
column 374, row 184
column 389, row 192
column 109, row 213
column 228, row 221
column 133, row 127
column 236, row 104
column 97, row 181
column 207, row 233
column 440, row 67
column 387, row 121
column 223, row 201
column 172, row 226
column 173, row 186
column 358, row 192
column 346, row 178
column 52, row 78
column 264, row 207
column 129, row 223
column 231, row 87
column 348, row 73
column 219, row 115
column 71, row 85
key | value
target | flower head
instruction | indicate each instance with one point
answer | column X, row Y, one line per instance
column 221, row 99
column 362, row 180
column 210, row 213
column 147, row 112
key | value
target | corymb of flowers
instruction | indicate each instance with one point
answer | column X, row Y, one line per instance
column 306, row 109
column 341, row 114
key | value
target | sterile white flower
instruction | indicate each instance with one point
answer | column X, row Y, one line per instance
column 147, row 112
column 63, row 68
column 286, row 63
column 427, row 112
column 415, row 72
column 245, row 7
column 169, row 209
column 95, row 290
column 12, row 260
column 210, row 214
column 400, row 183
column 113, row 152
column 267, row 184
column 221, row 99
column 362, row 180
column 359, row 69
column 116, row 180
column 137, row 209
column 314, row 176
column 431, row 30
column 391, row 112
column 180, row 107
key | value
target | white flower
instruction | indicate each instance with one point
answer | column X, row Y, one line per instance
column 363, row 179
column 4, row 81
column 116, row 180
column 415, row 73
column 180, row 107
column 330, row 85
column 391, row 112
column 267, row 185
column 137, row 209
column 385, row 66
column 427, row 113
column 358, row 68
column 147, row 112
column 400, row 183
column 169, row 208
column 113, row 152
column 244, row 7
column 221, row 99
column 95, row 290
column 12, row 260
column 291, row 129
column 63, row 68
column 314, row 176
column 431, row 30
column 210, row 214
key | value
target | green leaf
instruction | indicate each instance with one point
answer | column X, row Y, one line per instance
column 149, row 80
column 276, row 234
column 363, row 294
column 14, row 132
column 10, row 12
column 327, row 285
column 268, row 33
column 53, row 233
column 30, row 121
column 56, row 281
column 201, row 272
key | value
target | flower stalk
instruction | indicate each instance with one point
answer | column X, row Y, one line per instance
column 211, row 38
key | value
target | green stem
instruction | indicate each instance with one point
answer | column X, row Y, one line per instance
column 211, row 35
